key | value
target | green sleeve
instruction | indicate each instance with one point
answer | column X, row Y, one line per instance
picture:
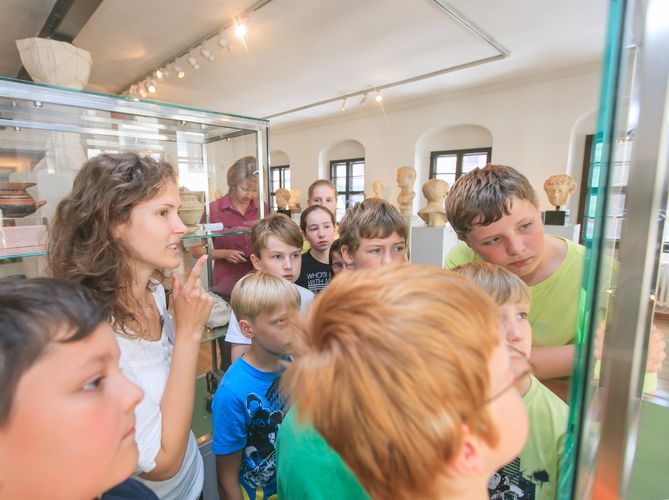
column 459, row 255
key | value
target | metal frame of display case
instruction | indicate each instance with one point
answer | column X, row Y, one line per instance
column 605, row 418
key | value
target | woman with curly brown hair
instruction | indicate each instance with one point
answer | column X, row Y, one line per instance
column 115, row 233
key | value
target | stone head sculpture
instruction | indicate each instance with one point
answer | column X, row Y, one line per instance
column 559, row 188
column 282, row 196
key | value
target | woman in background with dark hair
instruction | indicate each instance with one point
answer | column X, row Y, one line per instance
column 115, row 233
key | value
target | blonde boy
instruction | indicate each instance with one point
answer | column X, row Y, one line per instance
column 247, row 408
column 413, row 416
column 535, row 472
column 275, row 249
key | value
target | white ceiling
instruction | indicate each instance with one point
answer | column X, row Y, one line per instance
column 305, row 51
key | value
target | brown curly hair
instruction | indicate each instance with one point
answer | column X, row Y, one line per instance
column 81, row 243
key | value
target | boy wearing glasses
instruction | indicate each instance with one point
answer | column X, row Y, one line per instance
column 533, row 474
column 412, row 416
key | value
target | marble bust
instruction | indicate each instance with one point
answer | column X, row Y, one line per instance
column 559, row 188
column 282, row 196
column 377, row 189
column 294, row 203
column 434, row 213
column 406, row 176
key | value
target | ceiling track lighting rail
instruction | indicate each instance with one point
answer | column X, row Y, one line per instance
column 502, row 53
column 163, row 69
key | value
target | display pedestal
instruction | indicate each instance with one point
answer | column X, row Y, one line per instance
column 568, row 231
column 430, row 245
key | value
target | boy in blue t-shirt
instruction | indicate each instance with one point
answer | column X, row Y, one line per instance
column 247, row 407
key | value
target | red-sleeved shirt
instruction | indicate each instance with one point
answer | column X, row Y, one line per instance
column 226, row 274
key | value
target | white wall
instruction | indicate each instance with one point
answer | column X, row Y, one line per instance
column 535, row 126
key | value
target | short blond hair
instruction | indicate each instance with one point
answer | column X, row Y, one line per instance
column 503, row 286
column 484, row 195
column 371, row 218
column 278, row 225
column 321, row 182
column 389, row 367
column 262, row 292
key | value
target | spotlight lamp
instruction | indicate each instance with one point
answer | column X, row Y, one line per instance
column 178, row 71
column 159, row 74
column 151, row 87
column 223, row 42
column 206, row 54
column 378, row 97
column 240, row 30
column 193, row 62
column 141, row 89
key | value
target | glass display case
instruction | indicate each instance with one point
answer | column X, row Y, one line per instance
column 46, row 133
column 619, row 402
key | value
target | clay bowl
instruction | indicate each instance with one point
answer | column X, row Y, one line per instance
column 15, row 201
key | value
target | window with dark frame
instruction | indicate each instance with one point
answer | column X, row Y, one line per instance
column 279, row 178
column 349, row 178
column 450, row 165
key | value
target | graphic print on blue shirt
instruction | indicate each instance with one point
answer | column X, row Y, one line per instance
column 259, row 460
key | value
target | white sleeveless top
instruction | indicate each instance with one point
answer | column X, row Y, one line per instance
column 147, row 364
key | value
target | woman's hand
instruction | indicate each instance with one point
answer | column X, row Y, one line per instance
column 192, row 304
column 232, row 256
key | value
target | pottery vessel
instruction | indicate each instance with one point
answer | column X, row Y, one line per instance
column 192, row 207
column 15, row 200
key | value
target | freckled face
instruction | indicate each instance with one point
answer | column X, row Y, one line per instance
column 515, row 242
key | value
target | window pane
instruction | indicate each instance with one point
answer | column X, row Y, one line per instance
column 449, row 178
column 275, row 175
column 358, row 168
column 357, row 198
column 340, row 170
column 472, row 160
column 446, row 164
column 358, row 183
column 286, row 176
column 340, row 184
column 275, row 185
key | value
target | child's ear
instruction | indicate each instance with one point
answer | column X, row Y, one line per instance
column 469, row 461
column 346, row 255
column 256, row 262
column 247, row 328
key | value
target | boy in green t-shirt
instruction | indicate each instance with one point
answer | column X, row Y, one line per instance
column 496, row 213
column 373, row 234
column 535, row 472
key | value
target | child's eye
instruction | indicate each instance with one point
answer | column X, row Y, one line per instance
column 162, row 213
column 297, row 255
column 94, row 384
column 525, row 226
column 522, row 315
column 398, row 248
column 275, row 257
column 375, row 250
column 491, row 242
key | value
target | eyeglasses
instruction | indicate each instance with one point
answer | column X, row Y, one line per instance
column 523, row 372
column 338, row 266
column 244, row 190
